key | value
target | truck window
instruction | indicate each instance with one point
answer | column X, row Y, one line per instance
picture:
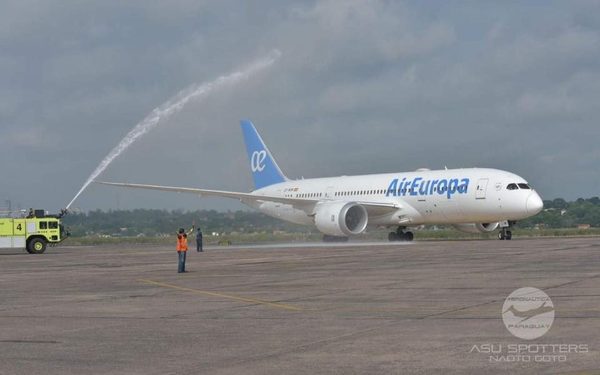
column 53, row 225
column 43, row 225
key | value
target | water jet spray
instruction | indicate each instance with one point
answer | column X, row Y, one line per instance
column 174, row 105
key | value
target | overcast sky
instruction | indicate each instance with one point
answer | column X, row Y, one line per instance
column 361, row 87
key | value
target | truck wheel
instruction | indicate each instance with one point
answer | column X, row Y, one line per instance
column 36, row 246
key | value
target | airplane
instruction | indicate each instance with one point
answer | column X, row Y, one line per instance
column 473, row 200
column 531, row 313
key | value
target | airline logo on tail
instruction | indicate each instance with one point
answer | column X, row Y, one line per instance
column 257, row 161
column 265, row 170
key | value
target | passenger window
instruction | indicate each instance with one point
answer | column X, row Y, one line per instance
column 53, row 225
column 43, row 225
column 512, row 187
column 524, row 186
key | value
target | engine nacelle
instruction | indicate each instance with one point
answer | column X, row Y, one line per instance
column 341, row 218
column 477, row 227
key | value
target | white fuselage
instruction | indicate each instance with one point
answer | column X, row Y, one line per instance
column 472, row 199
column 451, row 196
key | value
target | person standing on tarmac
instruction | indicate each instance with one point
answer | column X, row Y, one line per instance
column 182, row 247
column 199, row 240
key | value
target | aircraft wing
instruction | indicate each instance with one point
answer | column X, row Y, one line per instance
column 216, row 193
column 306, row 204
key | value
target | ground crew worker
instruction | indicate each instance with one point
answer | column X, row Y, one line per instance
column 182, row 246
column 31, row 214
column 199, row 240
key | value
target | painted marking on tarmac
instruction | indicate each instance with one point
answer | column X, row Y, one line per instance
column 222, row 295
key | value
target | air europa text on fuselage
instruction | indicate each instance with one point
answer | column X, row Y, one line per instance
column 419, row 186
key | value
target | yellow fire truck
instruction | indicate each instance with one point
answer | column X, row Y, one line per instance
column 33, row 233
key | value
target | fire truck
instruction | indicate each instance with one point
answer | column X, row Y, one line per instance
column 33, row 232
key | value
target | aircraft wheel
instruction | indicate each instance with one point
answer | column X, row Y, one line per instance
column 508, row 235
column 408, row 236
column 392, row 236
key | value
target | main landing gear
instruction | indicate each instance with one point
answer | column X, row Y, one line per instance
column 401, row 235
column 505, row 232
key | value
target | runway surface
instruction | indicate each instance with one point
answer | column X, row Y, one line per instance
column 427, row 307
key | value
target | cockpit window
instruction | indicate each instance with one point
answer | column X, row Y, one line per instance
column 512, row 187
column 524, row 186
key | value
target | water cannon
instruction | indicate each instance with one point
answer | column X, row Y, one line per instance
column 40, row 214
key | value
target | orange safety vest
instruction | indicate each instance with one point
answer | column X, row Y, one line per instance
column 182, row 242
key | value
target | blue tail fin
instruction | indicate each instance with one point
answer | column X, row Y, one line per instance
column 265, row 170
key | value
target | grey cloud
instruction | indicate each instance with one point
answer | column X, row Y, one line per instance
column 361, row 87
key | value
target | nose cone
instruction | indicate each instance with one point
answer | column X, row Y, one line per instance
column 534, row 203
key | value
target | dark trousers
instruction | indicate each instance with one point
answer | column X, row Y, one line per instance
column 181, row 265
column 199, row 244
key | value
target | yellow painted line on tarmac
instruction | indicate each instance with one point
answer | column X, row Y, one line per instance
column 223, row 295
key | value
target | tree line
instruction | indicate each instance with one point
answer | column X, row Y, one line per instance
column 151, row 222
column 557, row 213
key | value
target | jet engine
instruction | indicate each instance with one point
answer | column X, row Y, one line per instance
column 477, row 227
column 341, row 218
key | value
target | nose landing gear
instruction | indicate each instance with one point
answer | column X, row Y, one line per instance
column 400, row 235
column 505, row 232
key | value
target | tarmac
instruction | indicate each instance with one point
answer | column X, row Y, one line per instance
column 356, row 308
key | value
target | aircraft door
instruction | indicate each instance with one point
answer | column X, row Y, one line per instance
column 482, row 184
column 329, row 192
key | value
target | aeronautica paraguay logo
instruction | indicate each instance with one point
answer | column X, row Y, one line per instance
column 420, row 186
column 528, row 313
